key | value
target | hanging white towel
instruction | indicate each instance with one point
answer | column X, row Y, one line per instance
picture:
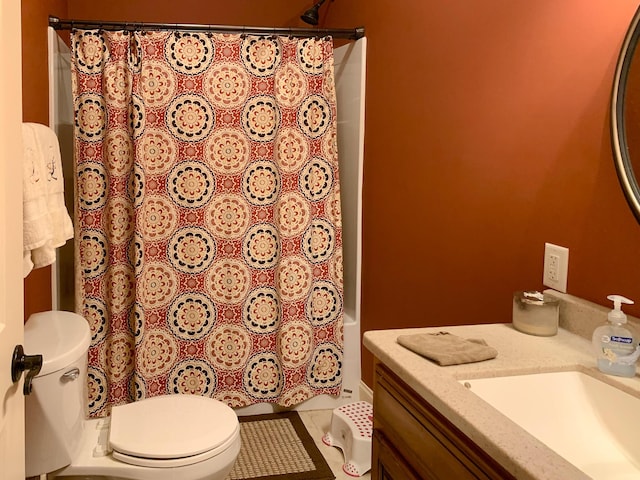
column 47, row 224
column 36, row 229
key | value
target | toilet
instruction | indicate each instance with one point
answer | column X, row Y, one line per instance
column 171, row 437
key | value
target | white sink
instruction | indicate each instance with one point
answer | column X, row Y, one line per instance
column 590, row 423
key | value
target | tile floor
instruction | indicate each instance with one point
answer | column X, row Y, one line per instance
column 318, row 423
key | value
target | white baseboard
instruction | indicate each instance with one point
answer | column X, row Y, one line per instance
column 366, row 394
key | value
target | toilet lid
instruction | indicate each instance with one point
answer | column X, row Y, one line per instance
column 171, row 427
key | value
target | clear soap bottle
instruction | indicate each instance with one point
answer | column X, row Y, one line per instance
column 615, row 343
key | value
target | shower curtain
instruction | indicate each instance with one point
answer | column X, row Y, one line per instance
column 208, row 224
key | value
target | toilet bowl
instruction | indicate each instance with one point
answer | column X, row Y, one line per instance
column 171, row 437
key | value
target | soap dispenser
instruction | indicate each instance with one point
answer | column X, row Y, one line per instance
column 615, row 342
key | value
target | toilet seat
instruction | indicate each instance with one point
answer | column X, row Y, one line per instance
column 174, row 462
column 171, row 430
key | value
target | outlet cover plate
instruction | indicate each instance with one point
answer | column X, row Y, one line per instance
column 556, row 267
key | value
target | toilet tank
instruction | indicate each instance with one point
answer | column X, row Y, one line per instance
column 56, row 409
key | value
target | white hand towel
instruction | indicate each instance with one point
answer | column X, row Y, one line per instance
column 36, row 229
column 56, row 223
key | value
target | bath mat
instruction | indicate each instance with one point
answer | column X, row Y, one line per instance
column 277, row 446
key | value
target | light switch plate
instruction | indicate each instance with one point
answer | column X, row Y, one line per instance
column 556, row 267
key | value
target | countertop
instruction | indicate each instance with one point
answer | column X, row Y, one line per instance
column 518, row 353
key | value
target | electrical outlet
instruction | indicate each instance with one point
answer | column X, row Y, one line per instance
column 556, row 267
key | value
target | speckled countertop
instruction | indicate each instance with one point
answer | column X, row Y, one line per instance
column 518, row 353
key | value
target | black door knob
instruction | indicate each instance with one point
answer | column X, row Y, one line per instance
column 21, row 363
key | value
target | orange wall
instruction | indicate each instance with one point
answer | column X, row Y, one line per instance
column 487, row 135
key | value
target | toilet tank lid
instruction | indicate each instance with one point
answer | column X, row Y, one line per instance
column 60, row 337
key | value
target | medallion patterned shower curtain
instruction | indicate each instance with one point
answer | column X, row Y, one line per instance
column 208, row 223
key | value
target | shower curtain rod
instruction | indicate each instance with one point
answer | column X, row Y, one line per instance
column 348, row 33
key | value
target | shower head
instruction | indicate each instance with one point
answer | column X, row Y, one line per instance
column 311, row 15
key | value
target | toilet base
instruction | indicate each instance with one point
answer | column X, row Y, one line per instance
column 93, row 462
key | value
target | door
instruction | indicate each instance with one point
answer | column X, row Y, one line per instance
column 11, row 309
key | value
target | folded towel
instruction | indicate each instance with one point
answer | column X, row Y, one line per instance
column 47, row 224
column 447, row 349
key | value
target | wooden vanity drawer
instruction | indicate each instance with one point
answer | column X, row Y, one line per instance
column 424, row 439
column 389, row 464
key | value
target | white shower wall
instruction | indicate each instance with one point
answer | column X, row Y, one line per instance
column 61, row 120
column 350, row 63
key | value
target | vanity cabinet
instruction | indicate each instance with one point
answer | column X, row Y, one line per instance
column 413, row 441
